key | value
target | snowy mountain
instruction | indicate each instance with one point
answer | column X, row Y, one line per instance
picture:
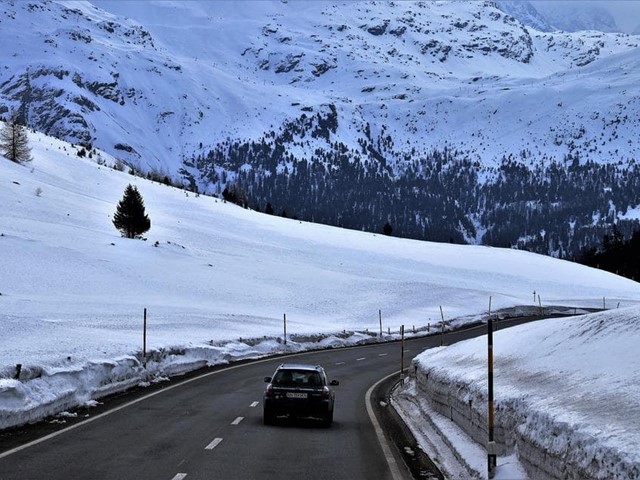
column 350, row 94
column 527, row 14
column 565, row 16
column 574, row 17
column 216, row 279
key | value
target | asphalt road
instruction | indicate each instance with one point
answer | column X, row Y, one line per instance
column 210, row 427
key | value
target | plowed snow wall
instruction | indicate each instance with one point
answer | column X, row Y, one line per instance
column 545, row 448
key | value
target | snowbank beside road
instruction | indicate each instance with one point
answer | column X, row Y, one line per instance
column 50, row 391
column 567, row 394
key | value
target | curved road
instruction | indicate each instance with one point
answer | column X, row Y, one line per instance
column 210, row 427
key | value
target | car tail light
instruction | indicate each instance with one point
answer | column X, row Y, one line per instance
column 269, row 391
column 326, row 392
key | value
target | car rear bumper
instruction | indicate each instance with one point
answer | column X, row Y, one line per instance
column 284, row 406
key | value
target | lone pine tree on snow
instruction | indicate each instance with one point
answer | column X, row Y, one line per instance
column 14, row 143
column 130, row 217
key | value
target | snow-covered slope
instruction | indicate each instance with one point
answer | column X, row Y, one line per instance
column 72, row 291
column 157, row 82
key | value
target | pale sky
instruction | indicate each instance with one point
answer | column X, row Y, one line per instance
column 626, row 13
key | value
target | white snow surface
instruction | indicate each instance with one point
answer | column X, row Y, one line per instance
column 216, row 280
column 570, row 387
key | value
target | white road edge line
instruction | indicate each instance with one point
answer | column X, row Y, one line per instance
column 179, row 476
column 254, row 404
column 386, row 450
column 237, row 421
column 214, row 444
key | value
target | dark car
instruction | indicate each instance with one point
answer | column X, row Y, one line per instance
column 299, row 390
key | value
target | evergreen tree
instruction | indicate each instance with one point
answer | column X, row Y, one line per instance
column 387, row 229
column 268, row 209
column 130, row 217
column 14, row 143
column 234, row 193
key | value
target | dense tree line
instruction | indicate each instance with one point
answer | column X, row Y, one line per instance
column 616, row 254
column 555, row 207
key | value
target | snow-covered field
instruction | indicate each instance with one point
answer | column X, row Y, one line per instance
column 211, row 274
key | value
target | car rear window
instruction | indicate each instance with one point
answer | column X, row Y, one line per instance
column 297, row 378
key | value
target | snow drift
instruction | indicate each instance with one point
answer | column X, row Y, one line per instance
column 566, row 394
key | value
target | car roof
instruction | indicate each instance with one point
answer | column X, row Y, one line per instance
column 300, row 366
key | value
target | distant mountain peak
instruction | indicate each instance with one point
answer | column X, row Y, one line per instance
column 526, row 13
column 577, row 16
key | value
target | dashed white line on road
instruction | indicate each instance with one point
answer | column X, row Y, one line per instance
column 383, row 354
column 237, row 421
column 179, row 476
column 214, row 444
column 360, row 359
column 340, row 363
column 254, row 404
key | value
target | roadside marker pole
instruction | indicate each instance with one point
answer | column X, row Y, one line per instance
column 402, row 353
column 380, row 316
column 285, row 328
column 442, row 331
column 144, row 340
column 491, row 446
column 489, row 306
column 490, row 312
column 540, row 305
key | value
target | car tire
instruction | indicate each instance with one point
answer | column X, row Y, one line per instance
column 268, row 418
column 328, row 419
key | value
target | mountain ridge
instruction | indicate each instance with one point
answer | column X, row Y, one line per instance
column 169, row 87
column 284, row 62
